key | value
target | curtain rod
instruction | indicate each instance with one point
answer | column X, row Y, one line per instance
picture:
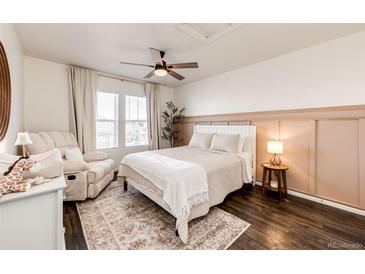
column 119, row 77
column 114, row 76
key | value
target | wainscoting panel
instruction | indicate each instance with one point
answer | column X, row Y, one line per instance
column 298, row 150
column 186, row 131
column 337, row 161
column 265, row 131
column 362, row 162
column 323, row 147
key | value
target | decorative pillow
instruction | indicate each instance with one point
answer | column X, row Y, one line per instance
column 48, row 164
column 74, row 154
column 95, row 156
column 199, row 140
column 241, row 143
column 225, row 143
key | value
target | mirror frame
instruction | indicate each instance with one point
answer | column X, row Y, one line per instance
column 5, row 93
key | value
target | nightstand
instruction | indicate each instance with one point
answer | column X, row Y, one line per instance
column 280, row 174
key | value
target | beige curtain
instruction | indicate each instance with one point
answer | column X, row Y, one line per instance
column 153, row 114
column 82, row 86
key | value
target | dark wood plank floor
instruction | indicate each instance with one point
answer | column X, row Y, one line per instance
column 293, row 224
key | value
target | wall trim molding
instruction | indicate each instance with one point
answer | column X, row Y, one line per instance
column 323, row 201
column 335, row 112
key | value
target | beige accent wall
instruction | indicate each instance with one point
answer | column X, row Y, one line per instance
column 324, row 147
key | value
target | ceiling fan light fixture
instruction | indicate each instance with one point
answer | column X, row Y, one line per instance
column 161, row 72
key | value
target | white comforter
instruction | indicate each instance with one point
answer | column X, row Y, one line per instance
column 184, row 184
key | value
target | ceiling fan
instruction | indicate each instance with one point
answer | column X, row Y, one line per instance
column 161, row 68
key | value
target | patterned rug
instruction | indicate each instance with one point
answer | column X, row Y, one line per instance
column 119, row 219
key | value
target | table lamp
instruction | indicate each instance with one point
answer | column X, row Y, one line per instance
column 23, row 139
column 275, row 147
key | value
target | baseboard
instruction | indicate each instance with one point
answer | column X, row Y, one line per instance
column 323, row 201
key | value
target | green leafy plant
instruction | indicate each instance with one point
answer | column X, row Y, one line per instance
column 171, row 117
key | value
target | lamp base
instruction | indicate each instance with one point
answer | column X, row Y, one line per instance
column 24, row 151
column 275, row 160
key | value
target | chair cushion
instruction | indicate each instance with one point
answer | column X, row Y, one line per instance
column 41, row 142
column 74, row 166
column 98, row 169
column 45, row 141
column 95, row 156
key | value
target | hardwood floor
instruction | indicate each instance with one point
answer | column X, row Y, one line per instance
column 293, row 224
column 74, row 236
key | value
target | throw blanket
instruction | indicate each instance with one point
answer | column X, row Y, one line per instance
column 184, row 184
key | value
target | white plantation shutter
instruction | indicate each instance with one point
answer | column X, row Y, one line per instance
column 136, row 121
column 106, row 120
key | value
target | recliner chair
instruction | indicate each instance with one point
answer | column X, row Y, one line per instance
column 85, row 179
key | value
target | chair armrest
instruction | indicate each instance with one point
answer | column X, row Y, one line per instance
column 95, row 156
column 74, row 166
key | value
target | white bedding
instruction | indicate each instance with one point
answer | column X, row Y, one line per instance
column 182, row 174
column 184, row 184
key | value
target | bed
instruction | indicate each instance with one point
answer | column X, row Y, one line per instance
column 223, row 172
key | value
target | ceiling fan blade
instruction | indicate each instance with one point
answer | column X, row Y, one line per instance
column 176, row 75
column 157, row 56
column 149, row 75
column 184, row 65
column 136, row 64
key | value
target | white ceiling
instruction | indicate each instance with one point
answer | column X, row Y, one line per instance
column 102, row 46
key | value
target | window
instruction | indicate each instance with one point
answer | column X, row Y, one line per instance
column 106, row 120
column 136, row 121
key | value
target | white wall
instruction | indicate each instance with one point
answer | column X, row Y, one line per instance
column 166, row 95
column 329, row 74
column 46, row 97
column 15, row 57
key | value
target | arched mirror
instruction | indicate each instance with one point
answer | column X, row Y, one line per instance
column 5, row 93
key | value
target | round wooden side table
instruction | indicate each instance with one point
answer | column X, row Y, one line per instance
column 280, row 173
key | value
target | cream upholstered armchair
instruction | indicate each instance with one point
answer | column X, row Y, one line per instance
column 87, row 176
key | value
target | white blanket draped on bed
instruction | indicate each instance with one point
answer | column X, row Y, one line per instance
column 184, row 184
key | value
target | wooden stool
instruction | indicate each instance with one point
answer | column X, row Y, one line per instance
column 280, row 173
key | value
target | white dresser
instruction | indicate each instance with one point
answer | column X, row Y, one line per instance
column 33, row 219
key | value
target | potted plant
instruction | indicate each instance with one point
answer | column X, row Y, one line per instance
column 171, row 117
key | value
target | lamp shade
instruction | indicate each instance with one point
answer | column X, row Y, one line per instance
column 275, row 147
column 22, row 138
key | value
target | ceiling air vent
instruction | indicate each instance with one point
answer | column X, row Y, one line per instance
column 208, row 33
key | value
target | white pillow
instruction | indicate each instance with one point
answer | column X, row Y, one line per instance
column 95, row 156
column 200, row 140
column 241, row 143
column 225, row 143
column 74, row 154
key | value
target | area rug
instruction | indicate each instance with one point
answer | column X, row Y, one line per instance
column 119, row 219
